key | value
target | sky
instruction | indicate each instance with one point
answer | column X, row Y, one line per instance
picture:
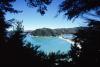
column 33, row 20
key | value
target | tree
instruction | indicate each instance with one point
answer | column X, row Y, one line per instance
column 89, row 40
column 5, row 6
column 75, row 8
column 70, row 8
column 12, row 48
column 41, row 4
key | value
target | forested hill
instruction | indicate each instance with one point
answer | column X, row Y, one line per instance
column 54, row 32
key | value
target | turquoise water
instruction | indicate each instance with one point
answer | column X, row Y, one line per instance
column 49, row 44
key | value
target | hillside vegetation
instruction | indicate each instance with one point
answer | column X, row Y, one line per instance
column 54, row 32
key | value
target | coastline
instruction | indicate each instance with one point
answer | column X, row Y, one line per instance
column 68, row 40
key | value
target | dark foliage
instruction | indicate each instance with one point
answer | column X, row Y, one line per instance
column 12, row 49
column 89, row 38
column 90, row 42
column 41, row 4
column 6, row 6
column 70, row 8
column 75, row 8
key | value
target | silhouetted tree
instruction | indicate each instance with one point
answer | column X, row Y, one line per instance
column 87, row 38
column 12, row 48
column 40, row 4
column 5, row 6
column 75, row 8
column 89, row 41
column 70, row 8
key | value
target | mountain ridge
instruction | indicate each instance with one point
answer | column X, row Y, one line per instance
column 54, row 32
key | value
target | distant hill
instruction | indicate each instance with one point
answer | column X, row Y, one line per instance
column 55, row 32
column 44, row 32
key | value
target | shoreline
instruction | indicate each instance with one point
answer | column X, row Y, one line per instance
column 68, row 40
